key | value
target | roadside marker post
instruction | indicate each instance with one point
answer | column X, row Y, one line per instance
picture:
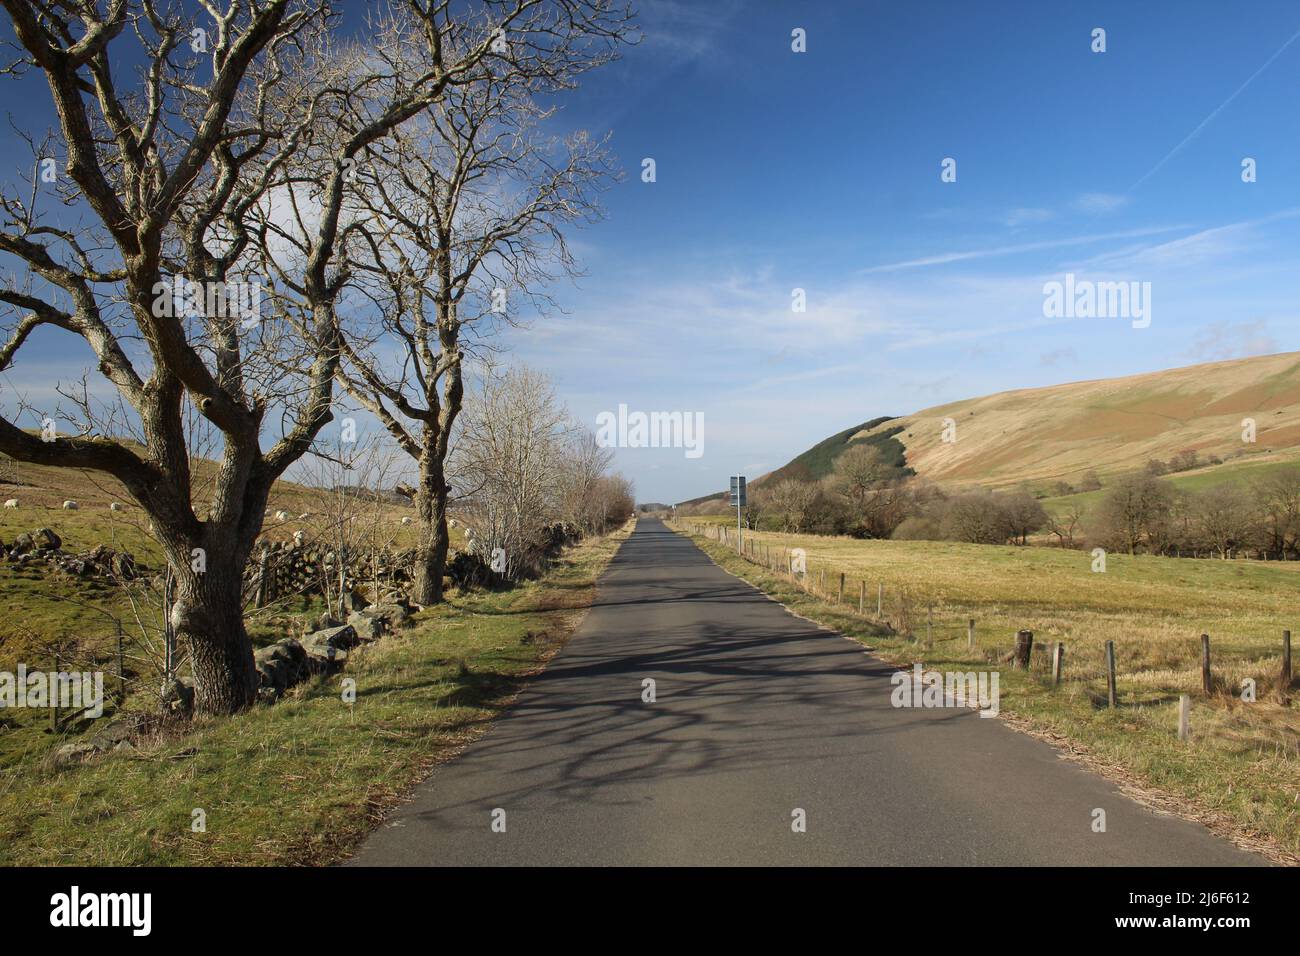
column 739, row 500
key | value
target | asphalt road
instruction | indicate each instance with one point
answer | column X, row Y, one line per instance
column 757, row 714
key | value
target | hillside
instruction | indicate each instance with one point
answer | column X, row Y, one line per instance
column 1060, row 432
column 819, row 460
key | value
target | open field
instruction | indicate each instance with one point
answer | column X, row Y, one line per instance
column 41, row 491
column 1241, row 768
column 1241, row 471
column 301, row 781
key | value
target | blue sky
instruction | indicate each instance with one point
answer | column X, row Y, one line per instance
column 820, row 170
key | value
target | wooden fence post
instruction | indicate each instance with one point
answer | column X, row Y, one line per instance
column 840, row 597
column 862, row 596
column 1184, row 716
column 54, row 696
column 1024, row 647
column 1058, row 658
column 261, row 577
column 1112, row 698
column 1284, row 679
column 1207, row 682
column 970, row 633
column 929, row 625
column 880, row 599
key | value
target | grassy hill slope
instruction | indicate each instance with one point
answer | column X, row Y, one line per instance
column 1041, row 435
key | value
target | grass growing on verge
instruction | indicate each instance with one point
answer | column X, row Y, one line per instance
column 301, row 782
column 1239, row 773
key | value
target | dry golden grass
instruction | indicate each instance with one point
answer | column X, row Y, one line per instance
column 1110, row 425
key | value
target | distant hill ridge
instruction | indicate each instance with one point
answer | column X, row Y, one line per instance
column 1113, row 425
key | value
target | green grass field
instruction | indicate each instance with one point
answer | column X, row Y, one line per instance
column 1240, row 471
column 1241, row 769
column 302, row 781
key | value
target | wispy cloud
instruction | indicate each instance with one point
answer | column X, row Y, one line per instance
column 1026, row 215
column 947, row 258
column 1098, row 204
column 1228, row 340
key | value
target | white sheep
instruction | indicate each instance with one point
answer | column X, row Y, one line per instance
column 11, row 503
column 116, row 507
column 451, row 523
column 406, row 521
column 282, row 516
column 304, row 516
column 297, row 538
column 70, row 505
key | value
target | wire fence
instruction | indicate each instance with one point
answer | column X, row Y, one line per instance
column 1108, row 676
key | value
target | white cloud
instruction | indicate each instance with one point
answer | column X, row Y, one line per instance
column 1227, row 340
column 1100, row 203
column 1026, row 215
column 947, row 258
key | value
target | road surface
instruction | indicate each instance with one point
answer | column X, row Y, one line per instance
column 758, row 714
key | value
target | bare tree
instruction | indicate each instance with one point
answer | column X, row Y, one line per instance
column 1135, row 511
column 1024, row 515
column 1065, row 524
column 206, row 145
column 584, row 501
column 790, row 502
column 464, row 218
column 513, row 445
column 1223, row 517
column 1278, row 498
column 977, row 517
column 349, row 519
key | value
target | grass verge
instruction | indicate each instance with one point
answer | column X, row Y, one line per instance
column 301, row 782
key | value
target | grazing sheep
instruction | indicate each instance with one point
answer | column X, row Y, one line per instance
column 70, row 506
column 451, row 523
column 304, row 516
column 11, row 503
column 297, row 538
column 282, row 516
column 406, row 521
column 116, row 507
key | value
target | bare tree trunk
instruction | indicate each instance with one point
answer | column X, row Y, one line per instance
column 207, row 565
column 435, row 540
column 208, row 616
